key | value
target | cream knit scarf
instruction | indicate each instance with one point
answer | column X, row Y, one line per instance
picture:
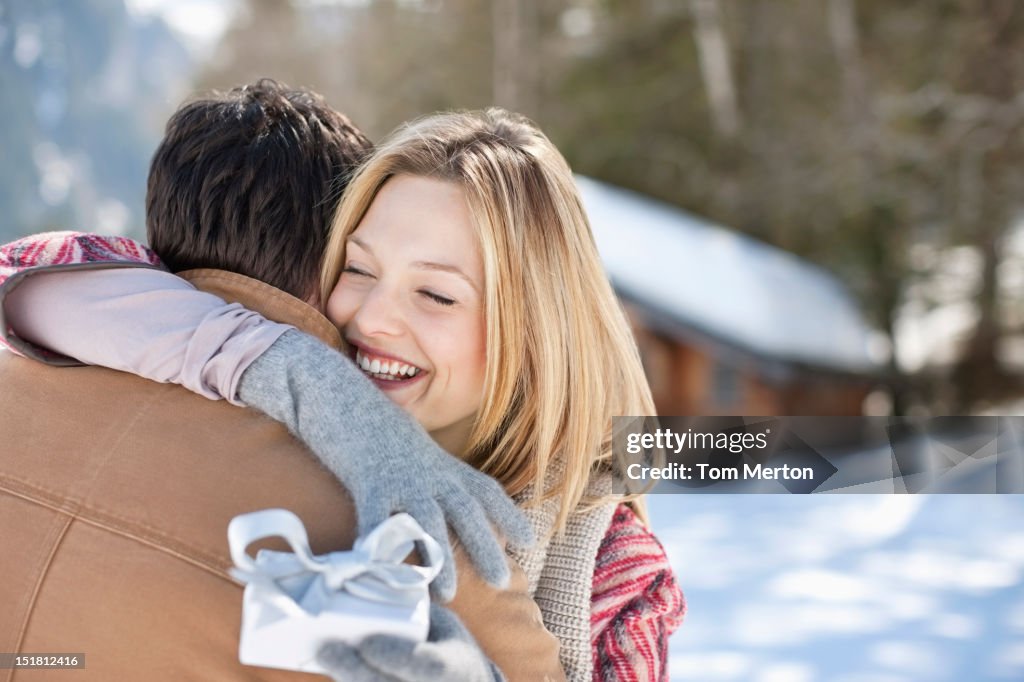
column 561, row 572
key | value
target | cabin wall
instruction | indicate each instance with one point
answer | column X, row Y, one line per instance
column 687, row 379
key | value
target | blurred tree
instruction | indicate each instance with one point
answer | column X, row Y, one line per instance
column 991, row 163
column 381, row 62
column 863, row 127
column 86, row 87
column 847, row 131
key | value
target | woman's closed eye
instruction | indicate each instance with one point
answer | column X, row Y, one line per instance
column 353, row 270
column 438, row 298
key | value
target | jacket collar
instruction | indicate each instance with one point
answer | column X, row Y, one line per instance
column 268, row 301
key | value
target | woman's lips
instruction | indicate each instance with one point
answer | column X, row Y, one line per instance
column 386, row 371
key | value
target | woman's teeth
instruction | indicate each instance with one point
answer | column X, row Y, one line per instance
column 386, row 369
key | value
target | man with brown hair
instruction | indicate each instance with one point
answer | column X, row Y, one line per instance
column 117, row 491
column 247, row 182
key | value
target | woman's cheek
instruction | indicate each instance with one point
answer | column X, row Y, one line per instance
column 462, row 342
column 341, row 306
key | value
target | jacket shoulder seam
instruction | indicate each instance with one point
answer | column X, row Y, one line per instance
column 44, row 570
column 113, row 523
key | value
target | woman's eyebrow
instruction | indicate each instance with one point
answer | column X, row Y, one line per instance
column 360, row 243
column 425, row 264
column 444, row 267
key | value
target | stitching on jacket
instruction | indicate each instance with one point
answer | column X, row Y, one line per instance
column 69, row 504
column 126, row 430
column 44, row 569
column 128, row 528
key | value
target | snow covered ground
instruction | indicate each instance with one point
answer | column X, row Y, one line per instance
column 846, row 588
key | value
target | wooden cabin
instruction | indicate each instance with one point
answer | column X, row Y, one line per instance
column 728, row 325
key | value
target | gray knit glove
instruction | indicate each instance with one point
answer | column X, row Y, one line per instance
column 385, row 459
column 450, row 654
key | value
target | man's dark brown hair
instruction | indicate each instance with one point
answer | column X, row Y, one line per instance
column 248, row 180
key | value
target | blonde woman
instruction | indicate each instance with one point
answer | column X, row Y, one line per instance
column 462, row 272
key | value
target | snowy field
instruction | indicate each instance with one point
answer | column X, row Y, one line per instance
column 846, row 588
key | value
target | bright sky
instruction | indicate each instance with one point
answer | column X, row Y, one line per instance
column 200, row 22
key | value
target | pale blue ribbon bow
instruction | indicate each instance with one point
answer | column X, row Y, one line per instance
column 300, row 582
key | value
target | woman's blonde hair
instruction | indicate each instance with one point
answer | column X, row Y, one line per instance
column 561, row 359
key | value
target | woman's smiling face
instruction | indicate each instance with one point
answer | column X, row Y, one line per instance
column 410, row 302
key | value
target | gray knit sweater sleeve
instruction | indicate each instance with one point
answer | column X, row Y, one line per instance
column 382, row 456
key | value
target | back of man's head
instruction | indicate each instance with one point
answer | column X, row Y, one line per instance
column 248, row 180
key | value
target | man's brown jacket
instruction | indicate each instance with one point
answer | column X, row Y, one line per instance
column 115, row 496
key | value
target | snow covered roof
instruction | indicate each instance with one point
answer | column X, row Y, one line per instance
column 725, row 285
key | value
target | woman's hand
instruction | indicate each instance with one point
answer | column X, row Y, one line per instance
column 448, row 654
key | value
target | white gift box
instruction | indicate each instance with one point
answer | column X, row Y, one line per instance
column 295, row 602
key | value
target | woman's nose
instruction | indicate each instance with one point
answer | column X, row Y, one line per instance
column 378, row 313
